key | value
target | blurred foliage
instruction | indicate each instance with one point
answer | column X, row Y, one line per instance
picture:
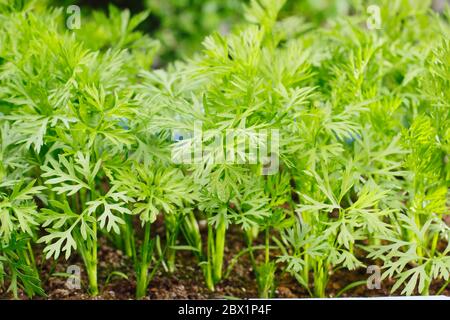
column 181, row 25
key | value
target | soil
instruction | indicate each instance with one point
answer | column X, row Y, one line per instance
column 187, row 282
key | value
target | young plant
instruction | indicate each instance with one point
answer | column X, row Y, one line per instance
column 68, row 105
column 327, row 144
column 19, row 218
column 155, row 189
column 331, row 219
column 242, row 86
column 263, row 209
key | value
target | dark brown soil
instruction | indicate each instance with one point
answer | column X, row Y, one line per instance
column 187, row 282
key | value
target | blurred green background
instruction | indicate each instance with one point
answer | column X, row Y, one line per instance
column 181, row 25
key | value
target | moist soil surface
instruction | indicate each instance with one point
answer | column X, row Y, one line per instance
column 187, row 282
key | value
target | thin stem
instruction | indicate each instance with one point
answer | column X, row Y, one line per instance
column 250, row 248
column 172, row 235
column 443, row 287
column 306, row 268
column 267, row 245
column 434, row 243
column 92, row 270
column 219, row 251
column 208, row 265
column 141, row 286
column 31, row 255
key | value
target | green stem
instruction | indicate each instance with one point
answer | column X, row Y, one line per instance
column 443, row 287
column 219, row 251
column 172, row 236
column 128, row 238
column 434, row 243
column 306, row 269
column 208, row 264
column 267, row 245
column 92, row 269
column 250, row 248
column 306, row 217
column 191, row 232
column 141, row 285
column 320, row 280
column 92, row 277
column 31, row 255
column 162, row 255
